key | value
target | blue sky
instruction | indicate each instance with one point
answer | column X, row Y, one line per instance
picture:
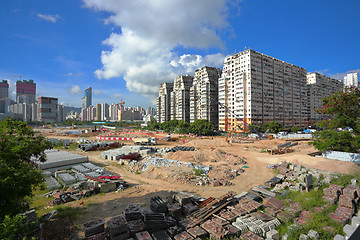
column 125, row 49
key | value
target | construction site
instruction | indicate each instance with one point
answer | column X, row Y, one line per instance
column 156, row 186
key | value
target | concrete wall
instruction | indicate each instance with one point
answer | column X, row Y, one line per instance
column 342, row 156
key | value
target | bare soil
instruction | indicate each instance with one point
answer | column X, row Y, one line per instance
column 209, row 151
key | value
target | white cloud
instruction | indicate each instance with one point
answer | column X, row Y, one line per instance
column 342, row 75
column 116, row 95
column 97, row 92
column 144, row 52
column 48, row 17
column 75, row 89
column 68, row 74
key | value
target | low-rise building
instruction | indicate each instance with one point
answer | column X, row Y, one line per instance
column 47, row 109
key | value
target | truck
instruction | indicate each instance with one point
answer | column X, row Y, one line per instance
column 145, row 141
column 171, row 138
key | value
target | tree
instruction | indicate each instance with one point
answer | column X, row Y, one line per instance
column 273, row 127
column 19, row 177
column 342, row 110
column 202, row 127
column 294, row 129
column 184, row 127
column 153, row 125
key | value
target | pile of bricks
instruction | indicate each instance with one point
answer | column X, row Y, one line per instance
column 227, row 214
column 221, row 232
column 304, row 217
column 157, row 204
column 132, row 212
column 246, row 206
column 332, row 193
column 342, row 214
column 346, row 205
column 117, row 227
column 174, row 210
column 94, row 227
column 198, row 232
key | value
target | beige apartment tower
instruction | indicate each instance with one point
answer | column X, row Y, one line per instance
column 180, row 98
column 319, row 87
column 259, row 89
column 163, row 102
column 204, row 95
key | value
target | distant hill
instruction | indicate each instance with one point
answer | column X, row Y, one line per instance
column 68, row 109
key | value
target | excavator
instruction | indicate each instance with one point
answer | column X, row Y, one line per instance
column 253, row 130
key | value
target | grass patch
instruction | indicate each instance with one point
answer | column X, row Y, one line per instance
column 143, row 182
column 198, row 172
column 138, row 173
column 345, row 179
column 308, row 200
column 71, row 213
column 39, row 202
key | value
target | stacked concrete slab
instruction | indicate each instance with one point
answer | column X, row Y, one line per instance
column 51, row 183
column 65, row 178
column 55, row 158
column 116, row 154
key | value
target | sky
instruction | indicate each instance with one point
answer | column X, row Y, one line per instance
column 125, row 49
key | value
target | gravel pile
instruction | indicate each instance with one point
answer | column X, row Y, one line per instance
column 164, row 162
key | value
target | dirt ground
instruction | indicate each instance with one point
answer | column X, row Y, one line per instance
column 145, row 186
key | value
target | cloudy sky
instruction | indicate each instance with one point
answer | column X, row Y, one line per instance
column 125, row 49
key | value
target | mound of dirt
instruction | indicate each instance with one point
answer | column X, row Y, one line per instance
column 205, row 156
column 208, row 142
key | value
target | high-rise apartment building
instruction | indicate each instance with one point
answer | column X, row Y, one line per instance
column 319, row 87
column 260, row 89
column 113, row 112
column 4, row 89
column 98, row 112
column 62, row 112
column 25, row 91
column 104, row 112
column 204, row 95
column 351, row 80
column 87, row 99
column 163, row 102
column 23, row 111
column 4, row 94
column 90, row 113
column 47, row 109
column 180, row 98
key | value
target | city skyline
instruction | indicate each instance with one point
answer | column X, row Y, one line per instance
column 67, row 47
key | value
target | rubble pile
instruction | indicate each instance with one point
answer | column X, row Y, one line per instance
column 87, row 188
column 97, row 145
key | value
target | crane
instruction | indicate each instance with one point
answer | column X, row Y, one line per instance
column 20, row 76
column 121, row 103
column 240, row 119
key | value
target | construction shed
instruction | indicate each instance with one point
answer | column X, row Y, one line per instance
column 55, row 158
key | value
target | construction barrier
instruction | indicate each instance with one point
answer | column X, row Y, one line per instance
column 106, row 137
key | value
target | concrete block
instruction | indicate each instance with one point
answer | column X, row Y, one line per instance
column 285, row 237
column 273, row 234
column 348, row 230
column 355, row 221
column 303, row 237
column 313, row 234
column 354, row 182
column 339, row 237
